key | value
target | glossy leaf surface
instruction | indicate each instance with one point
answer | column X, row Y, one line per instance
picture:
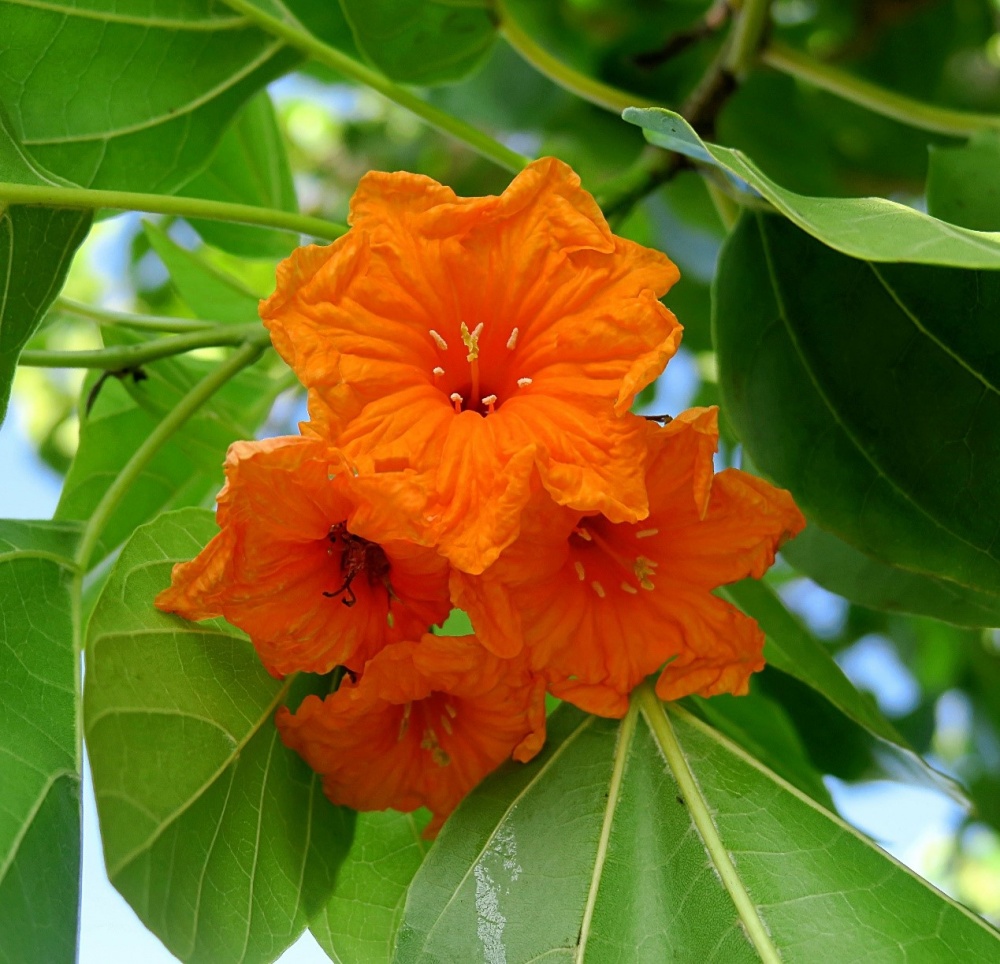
column 873, row 228
column 655, row 838
column 219, row 837
column 39, row 776
column 864, row 391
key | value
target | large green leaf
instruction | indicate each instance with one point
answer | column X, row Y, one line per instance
column 360, row 922
column 870, row 391
column 132, row 98
column 39, row 760
column 872, row 228
column 963, row 183
column 36, row 247
column 846, row 571
column 423, row 41
column 250, row 166
column 654, row 838
column 218, row 836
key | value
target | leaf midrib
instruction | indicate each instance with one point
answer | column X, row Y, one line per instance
column 656, row 717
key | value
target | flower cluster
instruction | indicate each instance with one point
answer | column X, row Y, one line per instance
column 471, row 363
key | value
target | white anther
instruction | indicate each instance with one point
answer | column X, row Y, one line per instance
column 647, row 533
column 523, row 382
column 512, row 341
column 438, row 340
column 489, row 400
column 438, row 371
column 578, row 566
column 598, row 588
column 630, row 589
column 456, row 398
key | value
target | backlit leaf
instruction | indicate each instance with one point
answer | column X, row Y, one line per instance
column 218, row 836
column 655, row 838
column 39, row 761
column 873, row 227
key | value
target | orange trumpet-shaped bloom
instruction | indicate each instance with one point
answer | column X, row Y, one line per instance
column 424, row 723
column 478, row 339
column 599, row 605
column 312, row 561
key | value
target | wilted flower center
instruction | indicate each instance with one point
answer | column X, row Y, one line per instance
column 468, row 386
column 357, row 556
column 602, row 551
column 430, row 717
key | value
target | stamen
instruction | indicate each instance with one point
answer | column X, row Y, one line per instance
column 438, row 371
column 628, row 587
column 523, row 382
column 404, row 723
column 578, row 566
column 450, row 710
column 598, row 588
column 456, row 400
column 438, row 340
column 446, row 724
column 512, row 341
column 583, row 534
column 644, row 568
column 390, row 619
column 647, row 533
column 490, row 401
column 471, row 340
column 430, row 742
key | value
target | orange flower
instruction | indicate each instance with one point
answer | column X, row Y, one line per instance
column 312, row 560
column 601, row 605
column 421, row 727
column 478, row 338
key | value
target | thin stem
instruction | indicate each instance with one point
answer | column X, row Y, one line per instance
column 744, row 42
column 184, row 207
column 725, row 207
column 243, row 357
column 701, row 814
column 906, row 110
column 129, row 356
column 594, row 91
column 323, row 53
column 160, row 323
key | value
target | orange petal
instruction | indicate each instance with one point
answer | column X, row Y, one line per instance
column 421, row 727
column 279, row 567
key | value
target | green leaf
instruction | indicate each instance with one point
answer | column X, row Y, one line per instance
column 963, row 183
column 39, row 760
column 791, row 648
column 872, row 228
column 870, row 391
column 655, row 838
column 218, row 836
column 130, row 99
column 846, row 571
column 360, row 922
column 109, row 435
column 36, row 247
column 250, row 166
column 423, row 41
column 210, row 293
